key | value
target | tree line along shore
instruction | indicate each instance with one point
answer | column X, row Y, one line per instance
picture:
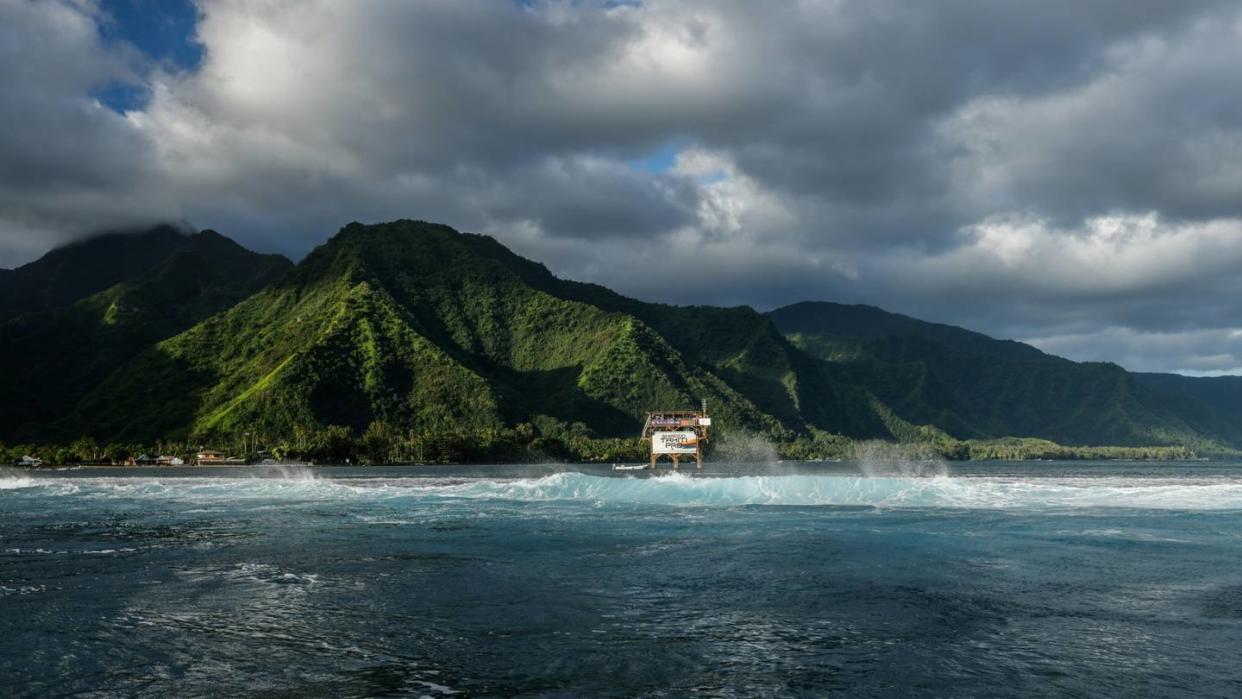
column 381, row 443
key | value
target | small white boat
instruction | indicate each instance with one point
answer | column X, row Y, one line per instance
column 628, row 467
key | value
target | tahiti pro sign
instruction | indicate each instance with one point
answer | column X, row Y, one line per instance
column 674, row 442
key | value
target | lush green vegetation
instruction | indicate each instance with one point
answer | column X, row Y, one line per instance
column 421, row 329
column 75, row 271
column 380, row 443
column 968, row 386
column 409, row 341
column 54, row 356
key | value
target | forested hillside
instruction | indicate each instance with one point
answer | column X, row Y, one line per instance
column 411, row 341
column 975, row 387
column 54, row 353
column 74, row 271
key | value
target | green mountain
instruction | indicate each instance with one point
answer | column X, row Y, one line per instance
column 74, row 271
column 1220, row 394
column 974, row 387
column 409, row 340
column 54, row 357
column 420, row 328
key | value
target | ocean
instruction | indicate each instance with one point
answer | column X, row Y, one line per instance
column 748, row 580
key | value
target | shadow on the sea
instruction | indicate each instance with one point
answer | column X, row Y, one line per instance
column 1223, row 603
column 397, row 678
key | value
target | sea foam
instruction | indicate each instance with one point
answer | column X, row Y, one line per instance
column 681, row 490
column 11, row 479
column 875, row 491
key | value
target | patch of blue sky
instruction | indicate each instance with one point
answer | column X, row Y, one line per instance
column 163, row 30
column 122, row 97
column 662, row 159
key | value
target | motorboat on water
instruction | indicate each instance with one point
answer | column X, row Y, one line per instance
column 628, row 467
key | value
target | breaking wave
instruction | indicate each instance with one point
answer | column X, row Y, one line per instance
column 881, row 491
column 898, row 491
column 11, row 479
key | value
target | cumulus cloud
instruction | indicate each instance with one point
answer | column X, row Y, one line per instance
column 1038, row 171
column 66, row 161
column 1149, row 131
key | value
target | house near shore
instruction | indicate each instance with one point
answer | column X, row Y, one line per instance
column 210, row 457
column 169, row 461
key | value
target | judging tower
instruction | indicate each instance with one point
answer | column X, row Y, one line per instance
column 677, row 433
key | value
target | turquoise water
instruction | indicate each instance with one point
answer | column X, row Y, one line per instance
column 744, row 580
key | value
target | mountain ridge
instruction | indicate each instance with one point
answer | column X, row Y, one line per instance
column 412, row 335
column 474, row 318
column 970, row 379
column 70, row 272
column 56, row 353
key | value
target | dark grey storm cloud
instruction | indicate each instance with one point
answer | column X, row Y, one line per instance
column 1064, row 172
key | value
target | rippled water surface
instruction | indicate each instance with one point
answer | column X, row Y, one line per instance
column 743, row 580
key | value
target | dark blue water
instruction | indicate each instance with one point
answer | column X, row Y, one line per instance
column 1009, row 579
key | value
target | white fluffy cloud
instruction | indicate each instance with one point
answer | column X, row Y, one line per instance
column 1032, row 170
column 66, row 161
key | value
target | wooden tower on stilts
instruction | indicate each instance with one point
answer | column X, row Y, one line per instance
column 677, row 433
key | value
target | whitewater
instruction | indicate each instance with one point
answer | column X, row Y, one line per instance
column 678, row 489
column 742, row 580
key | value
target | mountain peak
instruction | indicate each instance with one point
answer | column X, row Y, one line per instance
column 84, row 267
column 155, row 284
column 434, row 252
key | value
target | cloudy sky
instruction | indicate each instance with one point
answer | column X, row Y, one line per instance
column 1060, row 172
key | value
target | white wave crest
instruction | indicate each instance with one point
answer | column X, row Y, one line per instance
column 677, row 489
column 11, row 480
column 938, row 491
